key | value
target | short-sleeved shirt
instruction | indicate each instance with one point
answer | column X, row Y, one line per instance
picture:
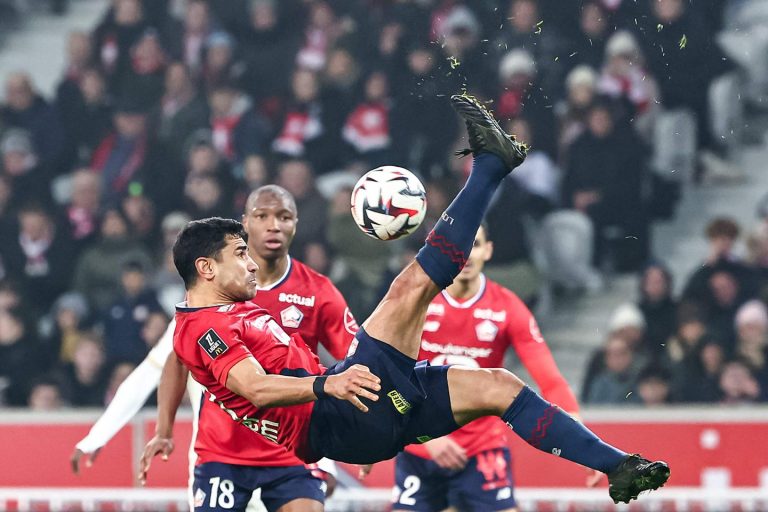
column 477, row 332
column 209, row 342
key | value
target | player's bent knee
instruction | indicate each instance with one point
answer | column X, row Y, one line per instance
column 499, row 388
column 412, row 282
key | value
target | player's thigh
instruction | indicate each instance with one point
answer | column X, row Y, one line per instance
column 220, row 487
column 477, row 392
column 399, row 318
column 294, row 489
column 485, row 484
column 420, row 485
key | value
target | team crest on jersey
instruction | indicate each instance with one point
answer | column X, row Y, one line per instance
column 486, row 330
column 199, row 498
column 350, row 324
column 212, row 343
column 291, row 317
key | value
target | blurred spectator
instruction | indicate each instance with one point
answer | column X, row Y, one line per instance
column 238, row 128
column 752, row 339
column 653, row 387
column 271, row 42
column 182, row 111
column 86, row 116
column 253, row 173
column 124, row 319
column 588, row 45
column 721, row 233
column 45, row 396
column 696, row 377
column 10, row 298
column 604, row 178
column 219, row 64
column 658, row 307
column 614, row 384
column 29, row 180
column 143, row 81
column 420, row 107
column 624, row 77
column 188, row 40
column 538, row 175
column 526, row 31
column 757, row 248
column 308, row 127
column 153, row 329
column 119, row 374
column 69, row 316
column 166, row 280
column 84, row 378
column 464, row 55
column 297, row 178
column 682, row 55
column 140, row 212
column 130, row 162
column 79, row 52
column 521, row 95
column 40, row 257
column 320, row 34
column 118, row 31
column 573, row 111
column 82, row 210
column 27, row 110
column 206, row 196
column 20, row 361
column 367, row 128
column 738, row 385
column 95, row 275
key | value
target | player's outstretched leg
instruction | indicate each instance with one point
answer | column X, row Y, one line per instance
column 399, row 318
column 481, row 392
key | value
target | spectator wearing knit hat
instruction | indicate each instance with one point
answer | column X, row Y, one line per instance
column 752, row 339
column 29, row 180
column 571, row 112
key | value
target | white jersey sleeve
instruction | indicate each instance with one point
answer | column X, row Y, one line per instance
column 131, row 395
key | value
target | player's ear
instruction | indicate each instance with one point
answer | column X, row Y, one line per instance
column 206, row 268
column 488, row 250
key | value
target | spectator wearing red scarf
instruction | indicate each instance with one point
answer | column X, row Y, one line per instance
column 367, row 128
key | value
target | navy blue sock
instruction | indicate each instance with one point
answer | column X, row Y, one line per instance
column 547, row 428
column 449, row 243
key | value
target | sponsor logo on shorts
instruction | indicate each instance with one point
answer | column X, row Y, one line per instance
column 199, row 498
column 400, row 403
column 504, row 494
column 212, row 344
column 556, row 452
column 423, row 439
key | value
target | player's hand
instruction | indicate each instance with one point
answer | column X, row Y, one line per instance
column 354, row 383
column 74, row 460
column 363, row 471
column 594, row 477
column 447, row 453
column 163, row 445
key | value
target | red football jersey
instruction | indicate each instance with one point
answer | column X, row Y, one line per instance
column 306, row 302
column 209, row 342
column 477, row 332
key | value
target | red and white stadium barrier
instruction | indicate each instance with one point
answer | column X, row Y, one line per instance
column 719, row 460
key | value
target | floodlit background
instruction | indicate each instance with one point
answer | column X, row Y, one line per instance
column 637, row 229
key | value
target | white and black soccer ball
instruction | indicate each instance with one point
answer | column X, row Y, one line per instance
column 388, row 202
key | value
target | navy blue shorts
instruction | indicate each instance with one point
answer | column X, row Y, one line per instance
column 219, row 486
column 485, row 483
column 414, row 406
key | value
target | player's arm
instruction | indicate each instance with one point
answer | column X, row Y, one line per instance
column 131, row 395
column 248, row 379
column 170, row 393
column 535, row 355
column 338, row 326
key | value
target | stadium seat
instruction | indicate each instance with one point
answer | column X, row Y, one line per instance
column 727, row 110
column 674, row 144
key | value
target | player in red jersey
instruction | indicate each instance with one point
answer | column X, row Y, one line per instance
column 303, row 302
column 271, row 384
column 472, row 323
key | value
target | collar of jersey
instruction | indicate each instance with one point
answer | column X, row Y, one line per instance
column 469, row 302
column 183, row 308
column 280, row 281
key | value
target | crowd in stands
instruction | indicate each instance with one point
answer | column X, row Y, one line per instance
column 174, row 110
column 710, row 345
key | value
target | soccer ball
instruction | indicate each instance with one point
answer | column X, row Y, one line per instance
column 388, row 203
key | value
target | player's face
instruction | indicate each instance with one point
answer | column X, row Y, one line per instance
column 271, row 225
column 236, row 271
column 482, row 250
